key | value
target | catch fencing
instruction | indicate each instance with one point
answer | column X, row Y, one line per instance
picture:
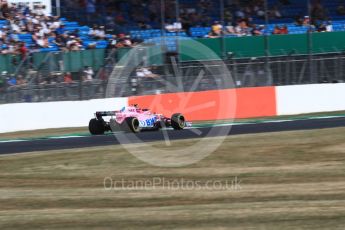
column 122, row 81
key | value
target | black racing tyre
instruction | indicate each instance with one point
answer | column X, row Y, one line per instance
column 157, row 126
column 96, row 127
column 178, row 121
column 131, row 124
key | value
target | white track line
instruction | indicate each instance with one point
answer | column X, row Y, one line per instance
column 192, row 128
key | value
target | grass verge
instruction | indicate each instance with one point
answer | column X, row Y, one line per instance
column 289, row 180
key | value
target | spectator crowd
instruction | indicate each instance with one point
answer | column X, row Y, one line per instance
column 239, row 17
column 23, row 30
column 241, row 20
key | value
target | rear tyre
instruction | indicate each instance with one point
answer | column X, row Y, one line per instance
column 96, row 127
column 178, row 122
column 132, row 124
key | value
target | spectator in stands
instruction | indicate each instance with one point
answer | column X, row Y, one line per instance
column 276, row 30
column 21, row 81
column 67, row 79
column 324, row 27
column 11, row 81
column 306, row 21
column 321, row 28
column 112, row 42
column 284, row 30
column 88, row 74
column 16, row 26
column 258, row 30
column 74, row 33
column 92, row 45
column 212, row 34
column 3, row 33
column 61, row 29
column 22, row 21
column 329, row 26
column 5, row 10
column 100, row 33
column 22, row 50
column 73, row 43
column 60, row 41
column 29, row 27
column 242, row 28
column 42, row 41
column 14, row 37
column 230, row 29
column 145, row 72
column 54, row 23
column 93, row 32
column 217, row 28
column 124, row 41
column 280, row 30
column 174, row 27
column 39, row 10
column 10, row 48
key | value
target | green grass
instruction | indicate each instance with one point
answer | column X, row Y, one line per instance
column 289, row 180
column 44, row 133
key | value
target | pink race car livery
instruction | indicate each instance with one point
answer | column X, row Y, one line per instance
column 134, row 119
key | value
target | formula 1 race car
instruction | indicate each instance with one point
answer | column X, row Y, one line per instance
column 134, row 119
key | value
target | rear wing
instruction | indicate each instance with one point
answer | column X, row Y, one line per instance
column 105, row 114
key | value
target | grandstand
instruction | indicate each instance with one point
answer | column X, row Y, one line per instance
column 97, row 34
column 289, row 10
column 289, row 13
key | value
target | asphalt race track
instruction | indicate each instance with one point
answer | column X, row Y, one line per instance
column 106, row 140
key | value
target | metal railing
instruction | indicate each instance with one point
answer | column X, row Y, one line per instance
column 54, row 92
column 193, row 76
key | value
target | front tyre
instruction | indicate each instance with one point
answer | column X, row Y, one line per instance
column 96, row 127
column 178, row 122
